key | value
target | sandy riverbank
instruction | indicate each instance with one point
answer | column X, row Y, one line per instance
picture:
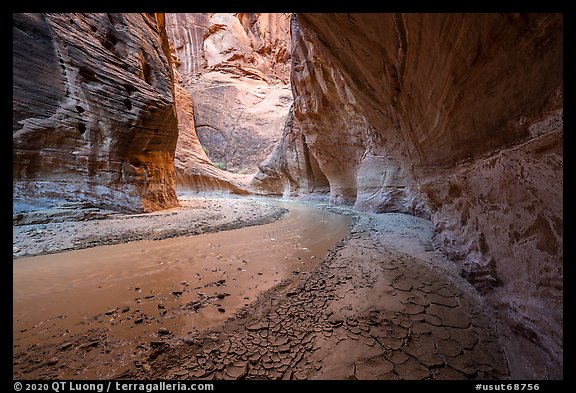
column 89, row 313
column 62, row 230
column 382, row 304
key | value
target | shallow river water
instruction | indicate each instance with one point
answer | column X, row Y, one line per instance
column 184, row 285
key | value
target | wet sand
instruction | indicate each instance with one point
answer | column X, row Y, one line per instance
column 92, row 310
column 76, row 226
column 382, row 304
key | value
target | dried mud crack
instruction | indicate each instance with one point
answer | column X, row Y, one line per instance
column 368, row 311
column 382, row 304
column 96, row 313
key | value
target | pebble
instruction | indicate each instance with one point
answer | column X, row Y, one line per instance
column 139, row 320
column 90, row 344
column 52, row 361
column 163, row 331
column 65, row 346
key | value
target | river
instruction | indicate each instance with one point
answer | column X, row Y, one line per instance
column 116, row 298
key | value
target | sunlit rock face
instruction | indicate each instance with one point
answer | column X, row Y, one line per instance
column 457, row 118
column 194, row 170
column 235, row 68
column 93, row 110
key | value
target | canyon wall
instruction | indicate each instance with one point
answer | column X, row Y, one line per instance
column 456, row 118
column 93, row 111
column 194, row 170
column 235, row 68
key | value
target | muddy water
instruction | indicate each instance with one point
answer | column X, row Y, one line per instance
column 96, row 308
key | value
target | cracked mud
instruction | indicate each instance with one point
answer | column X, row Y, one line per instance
column 382, row 305
column 367, row 312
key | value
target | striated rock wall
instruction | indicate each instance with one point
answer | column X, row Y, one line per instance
column 290, row 169
column 456, row 118
column 236, row 70
column 501, row 216
column 244, row 44
column 337, row 140
column 194, row 170
column 93, row 110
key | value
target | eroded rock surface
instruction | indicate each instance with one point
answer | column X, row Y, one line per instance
column 93, row 110
column 194, row 170
column 236, row 69
column 453, row 117
column 456, row 118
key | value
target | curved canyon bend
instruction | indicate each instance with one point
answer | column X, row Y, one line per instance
column 185, row 284
column 368, row 196
column 381, row 304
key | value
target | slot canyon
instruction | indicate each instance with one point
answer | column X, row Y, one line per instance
column 287, row 196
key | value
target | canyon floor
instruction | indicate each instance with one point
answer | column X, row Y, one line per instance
column 323, row 293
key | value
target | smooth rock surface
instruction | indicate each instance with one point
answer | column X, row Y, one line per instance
column 93, row 110
column 194, row 170
column 236, row 69
column 452, row 117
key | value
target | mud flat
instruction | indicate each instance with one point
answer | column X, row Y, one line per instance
column 79, row 226
column 95, row 312
column 315, row 295
column 384, row 304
